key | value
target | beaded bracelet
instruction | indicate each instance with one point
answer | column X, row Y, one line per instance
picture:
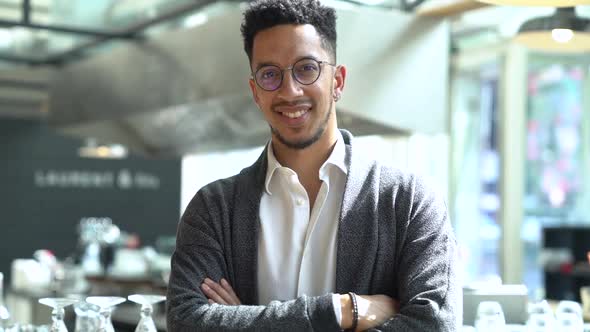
column 355, row 312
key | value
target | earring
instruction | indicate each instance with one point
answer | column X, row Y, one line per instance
column 336, row 96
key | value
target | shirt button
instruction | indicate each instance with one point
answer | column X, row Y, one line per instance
column 300, row 201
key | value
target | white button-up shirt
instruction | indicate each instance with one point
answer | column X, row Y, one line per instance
column 297, row 247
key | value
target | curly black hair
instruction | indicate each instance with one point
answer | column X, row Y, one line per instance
column 265, row 14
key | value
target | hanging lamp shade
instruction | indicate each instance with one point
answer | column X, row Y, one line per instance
column 538, row 3
column 560, row 32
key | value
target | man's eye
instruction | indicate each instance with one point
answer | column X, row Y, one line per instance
column 269, row 74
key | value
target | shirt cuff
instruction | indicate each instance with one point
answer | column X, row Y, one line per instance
column 337, row 308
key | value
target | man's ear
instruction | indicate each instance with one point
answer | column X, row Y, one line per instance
column 339, row 80
column 254, row 91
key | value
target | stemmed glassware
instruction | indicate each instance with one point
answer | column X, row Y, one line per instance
column 87, row 316
column 490, row 317
column 538, row 322
column 27, row 328
column 106, row 304
column 146, row 324
column 540, row 318
column 57, row 315
column 569, row 316
column 4, row 313
column 4, row 317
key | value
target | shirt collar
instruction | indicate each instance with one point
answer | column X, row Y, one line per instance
column 272, row 165
column 336, row 158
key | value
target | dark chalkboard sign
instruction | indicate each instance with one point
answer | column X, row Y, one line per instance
column 46, row 188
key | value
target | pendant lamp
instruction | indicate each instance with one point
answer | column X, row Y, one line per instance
column 560, row 32
column 538, row 3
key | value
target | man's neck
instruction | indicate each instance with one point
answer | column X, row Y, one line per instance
column 306, row 162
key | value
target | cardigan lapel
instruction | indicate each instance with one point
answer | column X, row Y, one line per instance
column 357, row 229
column 245, row 228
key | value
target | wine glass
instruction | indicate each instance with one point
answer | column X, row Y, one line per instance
column 4, row 315
column 28, row 328
column 490, row 317
column 57, row 315
column 569, row 322
column 87, row 316
column 538, row 322
column 569, row 307
column 146, row 324
column 106, row 304
column 540, row 318
column 541, row 307
column 569, row 316
column 33, row 328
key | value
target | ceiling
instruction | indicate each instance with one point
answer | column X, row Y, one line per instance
column 496, row 24
column 53, row 32
column 41, row 37
column 49, row 34
column 169, row 95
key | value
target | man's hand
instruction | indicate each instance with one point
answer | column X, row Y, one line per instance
column 374, row 310
column 220, row 293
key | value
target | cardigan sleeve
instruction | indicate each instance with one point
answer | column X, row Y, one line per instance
column 429, row 290
column 199, row 254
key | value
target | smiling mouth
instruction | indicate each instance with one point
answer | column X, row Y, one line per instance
column 294, row 115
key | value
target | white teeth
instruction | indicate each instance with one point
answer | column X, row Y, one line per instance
column 294, row 114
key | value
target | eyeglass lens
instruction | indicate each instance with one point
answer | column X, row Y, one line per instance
column 304, row 71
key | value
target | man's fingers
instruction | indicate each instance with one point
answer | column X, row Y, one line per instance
column 212, row 294
column 221, row 292
column 230, row 291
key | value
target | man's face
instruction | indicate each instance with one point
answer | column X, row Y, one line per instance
column 299, row 115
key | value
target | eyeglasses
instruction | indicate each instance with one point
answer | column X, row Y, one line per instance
column 305, row 71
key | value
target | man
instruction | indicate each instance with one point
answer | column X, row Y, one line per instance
column 289, row 242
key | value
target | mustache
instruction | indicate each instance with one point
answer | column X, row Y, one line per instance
column 295, row 103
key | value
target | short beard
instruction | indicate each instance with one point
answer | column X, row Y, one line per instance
column 306, row 143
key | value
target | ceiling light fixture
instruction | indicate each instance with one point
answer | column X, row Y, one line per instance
column 195, row 20
column 92, row 150
column 538, row 3
column 561, row 32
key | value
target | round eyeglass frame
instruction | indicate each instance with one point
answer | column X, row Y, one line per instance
column 282, row 71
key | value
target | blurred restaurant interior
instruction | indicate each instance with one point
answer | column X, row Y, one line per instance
column 113, row 113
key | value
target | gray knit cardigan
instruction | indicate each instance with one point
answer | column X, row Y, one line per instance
column 394, row 238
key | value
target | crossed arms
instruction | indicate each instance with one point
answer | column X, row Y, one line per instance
column 373, row 310
column 428, row 293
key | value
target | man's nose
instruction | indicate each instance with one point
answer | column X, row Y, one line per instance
column 290, row 87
